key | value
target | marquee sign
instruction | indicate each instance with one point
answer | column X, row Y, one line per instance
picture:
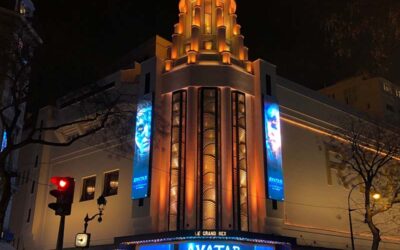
column 207, row 245
column 142, row 157
column 221, row 246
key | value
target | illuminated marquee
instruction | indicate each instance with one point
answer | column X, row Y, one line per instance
column 142, row 158
column 213, row 245
column 273, row 146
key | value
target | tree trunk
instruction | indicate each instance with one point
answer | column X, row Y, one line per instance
column 376, row 233
column 5, row 198
column 375, row 242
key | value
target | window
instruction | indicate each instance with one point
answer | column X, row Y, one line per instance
column 209, row 158
column 88, row 188
column 36, row 161
column 22, row 10
column 147, row 84
column 111, row 183
column 141, row 202
column 33, row 187
column 274, row 205
column 177, row 164
column 29, row 216
column 240, row 182
column 398, row 93
column 386, row 87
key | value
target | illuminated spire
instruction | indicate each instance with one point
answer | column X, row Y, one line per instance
column 208, row 27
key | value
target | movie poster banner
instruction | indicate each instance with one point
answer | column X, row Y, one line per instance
column 273, row 148
column 142, row 155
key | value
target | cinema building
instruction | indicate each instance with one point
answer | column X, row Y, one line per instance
column 227, row 154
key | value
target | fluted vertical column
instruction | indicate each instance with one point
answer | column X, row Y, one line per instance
column 197, row 16
column 240, row 47
column 175, row 46
column 221, row 37
column 220, row 17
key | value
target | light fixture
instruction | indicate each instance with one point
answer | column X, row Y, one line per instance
column 192, row 56
column 90, row 190
column 376, row 196
column 114, row 184
column 226, row 57
column 208, row 45
column 168, row 65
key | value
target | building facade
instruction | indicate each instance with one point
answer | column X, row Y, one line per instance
column 18, row 40
column 227, row 154
column 375, row 96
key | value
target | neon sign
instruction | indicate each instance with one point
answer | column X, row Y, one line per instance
column 273, row 146
column 202, row 245
column 142, row 158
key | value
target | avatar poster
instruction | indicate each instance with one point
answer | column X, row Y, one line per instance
column 273, row 146
column 3, row 141
column 141, row 160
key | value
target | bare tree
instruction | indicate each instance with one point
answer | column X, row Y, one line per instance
column 99, row 110
column 371, row 152
column 365, row 32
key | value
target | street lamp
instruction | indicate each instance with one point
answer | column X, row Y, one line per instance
column 375, row 196
column 82, row 240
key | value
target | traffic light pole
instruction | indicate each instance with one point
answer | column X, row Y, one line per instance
column 60, row 238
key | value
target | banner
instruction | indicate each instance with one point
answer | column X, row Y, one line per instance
column 273, row 147
column 142, row 155
column 3, row 141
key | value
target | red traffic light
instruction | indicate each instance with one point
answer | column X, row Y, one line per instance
column 64, row 194
column 62, row 183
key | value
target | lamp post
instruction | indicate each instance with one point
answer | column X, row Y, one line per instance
column 351, row 210
column 82, row 240
column 375, row 196
column 101, row 202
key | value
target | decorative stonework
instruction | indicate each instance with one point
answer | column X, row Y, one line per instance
column 207, row 27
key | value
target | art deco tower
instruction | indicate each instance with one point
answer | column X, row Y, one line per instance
column 209, row 84
column 208, row 31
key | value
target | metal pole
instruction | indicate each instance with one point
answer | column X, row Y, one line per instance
column 351, row 230
column 350, row 210
column 60, row 238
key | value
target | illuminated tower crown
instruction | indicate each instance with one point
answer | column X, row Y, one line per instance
column 207, row 31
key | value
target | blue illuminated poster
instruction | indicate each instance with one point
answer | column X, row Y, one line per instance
column 273, row 146
column 141, row 160
column 3, row 141
column 203, row 245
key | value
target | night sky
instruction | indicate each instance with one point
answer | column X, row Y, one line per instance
column 82, row 38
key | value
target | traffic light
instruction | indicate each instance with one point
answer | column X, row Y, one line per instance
column 64, row 195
